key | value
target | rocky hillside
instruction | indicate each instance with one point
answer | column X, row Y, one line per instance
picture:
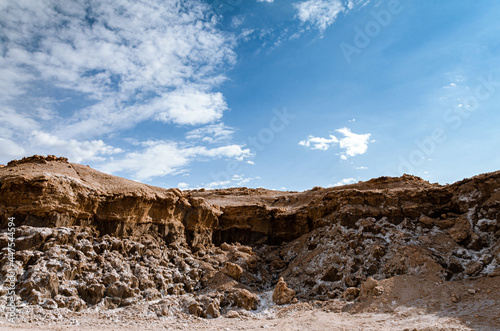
column 86, row 239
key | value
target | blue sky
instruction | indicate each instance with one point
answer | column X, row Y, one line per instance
column 275, row 94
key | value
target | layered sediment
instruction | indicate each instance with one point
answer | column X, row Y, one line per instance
column 84, row 238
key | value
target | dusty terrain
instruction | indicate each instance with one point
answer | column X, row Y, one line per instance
column 94, row 251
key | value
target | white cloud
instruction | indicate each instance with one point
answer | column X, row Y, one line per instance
column 154, row 60
column 240, row 179
column 320, row 13
column 318, row 142
column 265, row 0
column 231, row 151
column 190, row 107
column 9, row 117
column 352, row 143
column 10, row 150
column 76, row 151
column 15, row 124
column 161, row 158
column 235, row 180
column 211, row 133
column 323, row 13
column 21, row 135
column 237, row 21
column 100, row 67
column 345, row 181
column 219, row 184
column 183, row 186
column 353, row 3
column 361, row 168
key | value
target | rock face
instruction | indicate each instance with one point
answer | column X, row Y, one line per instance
column 51, row 192
column 84, row 238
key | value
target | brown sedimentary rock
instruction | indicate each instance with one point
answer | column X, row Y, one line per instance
column 51, row 192
column 282, row 295
column 233, row 270
column 86, row 238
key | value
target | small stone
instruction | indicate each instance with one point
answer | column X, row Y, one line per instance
column 455, row 298
column 473, row 268
column 245, row 249
column 225, row 246
column 371, row 287
column 378, row 290
column 471, row 291
column 213, row 309
column 243, row 299
column 49, row 304
column 351, row 293
column 232, row 314
column 369, row 284
column 195, row 309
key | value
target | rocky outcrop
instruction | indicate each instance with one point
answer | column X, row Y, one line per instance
column 84, row 238
column 51, row 192
column 282, row 295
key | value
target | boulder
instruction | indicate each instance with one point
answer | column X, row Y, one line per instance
column 233, row 270
column 282, row 295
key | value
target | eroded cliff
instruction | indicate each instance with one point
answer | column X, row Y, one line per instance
column 85, row 238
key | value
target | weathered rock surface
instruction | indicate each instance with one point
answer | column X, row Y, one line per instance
column 282, row 295
column 233, row 270
column 84, row 238
column 55, row 193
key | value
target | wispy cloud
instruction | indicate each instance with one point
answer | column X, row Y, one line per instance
column 96, row 68
column 136, row 59
column 211, row 133
column 161, row 158
column 71, row 148
column 353, row 144
column 318, row 142
column 320, row 13
column 345, row 181
column 10, row 149
column 323, row 13
column 235, row 180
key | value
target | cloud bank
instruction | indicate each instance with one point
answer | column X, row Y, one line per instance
column 74, row 73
